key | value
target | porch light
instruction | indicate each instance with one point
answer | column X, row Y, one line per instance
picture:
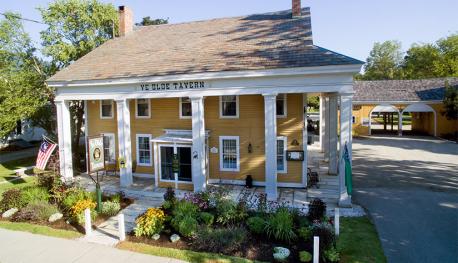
column 295, row 143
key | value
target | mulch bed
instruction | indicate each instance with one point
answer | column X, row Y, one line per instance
column 255, row 248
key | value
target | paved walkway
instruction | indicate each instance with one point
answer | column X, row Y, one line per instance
column 409, row 186
column 22, row 247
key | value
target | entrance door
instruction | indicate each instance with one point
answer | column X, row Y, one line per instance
column 176, row 163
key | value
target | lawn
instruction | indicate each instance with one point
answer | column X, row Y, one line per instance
column 359, row 242
column 8, row 179
column 41, row 230
column 187, row 255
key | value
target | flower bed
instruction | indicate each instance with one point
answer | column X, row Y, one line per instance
column 51, row 203
column 258, row 230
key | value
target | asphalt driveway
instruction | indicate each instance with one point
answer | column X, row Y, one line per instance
column 409, row 185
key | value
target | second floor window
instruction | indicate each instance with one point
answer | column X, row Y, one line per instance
column 106, row 109
column 143, row 108
column 229, row 107
column 185, row 108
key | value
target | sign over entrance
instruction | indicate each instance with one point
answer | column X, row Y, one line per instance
column 95, row 153
column 172, row 86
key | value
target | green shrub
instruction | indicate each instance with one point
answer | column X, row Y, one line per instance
column 187, row 226
column 36, row 211
column 32, row 194
column 326, row 233
column 116, row 198
column 317, row 209
column 184, row 216
column 220, row 240
column 280, row 225
column 332, row 255
column 226, row 212
column 149, row 223
column 110, row 208
column 305, row 233
column 206, row 218
column 72, row 196
column 256, row 224
column 305, row 256
column 169, row 195
column 48, row 180
column 10, row 199
column 167, row 205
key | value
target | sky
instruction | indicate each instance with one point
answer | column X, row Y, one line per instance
column 350, row 27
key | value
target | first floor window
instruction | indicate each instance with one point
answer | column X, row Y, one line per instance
column 229, row 153
column 144, row 150
column 106, row 109
column 281, row 154
column 109, row 147
column 281, row 105
column 185, row 108
column 143, row 110
column 229, row 107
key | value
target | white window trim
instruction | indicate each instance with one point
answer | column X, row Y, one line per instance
column 236, row 138
column 221, row 108
column 138, row 135
column 110, row 134
column 181, row 110
column 285, row 145
column 112, row 110
column 285, row 106
column 149, row 110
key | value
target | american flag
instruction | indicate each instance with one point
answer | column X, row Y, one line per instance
column 46, row 149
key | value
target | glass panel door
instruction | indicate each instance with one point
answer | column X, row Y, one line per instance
column 167, row 163
column 184, row 157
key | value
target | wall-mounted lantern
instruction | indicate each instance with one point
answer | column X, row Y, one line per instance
column 295, row 143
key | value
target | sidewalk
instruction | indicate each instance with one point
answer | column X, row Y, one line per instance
column 18, row 247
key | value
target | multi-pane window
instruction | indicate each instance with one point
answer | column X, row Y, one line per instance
column 142, row 108
column 106, row 109
column 185, row 108
column 229, row 107
column 144, row 150
column 281, row 105
column 281, row 154
column 109, row 147
column 229, row 153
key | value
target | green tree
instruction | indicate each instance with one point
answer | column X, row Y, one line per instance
column 313, row 102
column 450, row 102
column 76, row 27
column 433, row 60
column 22, row 88
column 384, row 62
column 147, row 21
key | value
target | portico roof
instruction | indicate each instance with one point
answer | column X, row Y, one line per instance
column 253, row 42
column 176, row 136
column 418, row 90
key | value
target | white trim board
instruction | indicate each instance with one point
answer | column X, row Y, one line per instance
column 342, row 69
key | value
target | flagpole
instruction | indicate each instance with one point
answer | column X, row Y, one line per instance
column 47, row 139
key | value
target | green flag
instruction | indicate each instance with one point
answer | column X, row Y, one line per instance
column 348, row 172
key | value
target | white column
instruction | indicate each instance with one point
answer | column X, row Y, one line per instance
column 333, row 134
column 270, row 127
column 124, row 142
column 304, row 140
column 198, row 144
column 327, row 130
column 345, row 138
column 400, row 123
column 322, row 123
column 64, row 140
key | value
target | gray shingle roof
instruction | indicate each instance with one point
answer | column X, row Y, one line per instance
column 264, row 41
column 402, row 90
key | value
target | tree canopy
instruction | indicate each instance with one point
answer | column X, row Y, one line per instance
column 147, row 21
column 430, row 60
column 22, row 88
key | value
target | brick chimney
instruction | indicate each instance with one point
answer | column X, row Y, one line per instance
column 126, row 20
column 296, row 8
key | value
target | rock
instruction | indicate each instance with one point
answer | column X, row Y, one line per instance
column 174, row 238
column 281, row 254
column 156, row 237
column 9, row 213
column 55, row 217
